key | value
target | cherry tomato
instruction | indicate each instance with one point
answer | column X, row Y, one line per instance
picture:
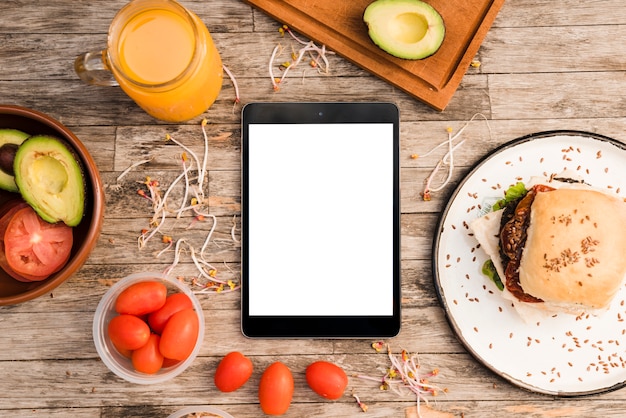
column 141, row 298
column 276, row 389
column 168, row 362
column 180, row 335
column 233, row 371
column 326, row 379
column 34, row 247
column 124, row 352
column 174, row 303
column 127, row 332
column 147, row 358
column 9, row 210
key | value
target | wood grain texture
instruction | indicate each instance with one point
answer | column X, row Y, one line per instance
column 544, row 66
column 432, row 80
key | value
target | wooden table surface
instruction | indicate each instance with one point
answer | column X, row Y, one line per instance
column 544, row 65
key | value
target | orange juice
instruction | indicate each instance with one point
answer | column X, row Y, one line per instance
column 148, row 39
column 166, row 61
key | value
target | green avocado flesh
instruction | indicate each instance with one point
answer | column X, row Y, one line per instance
column 408, row 29
column 10, row 139
column 50, row 179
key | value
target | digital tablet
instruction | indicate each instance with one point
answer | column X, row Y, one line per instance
column 320, row 220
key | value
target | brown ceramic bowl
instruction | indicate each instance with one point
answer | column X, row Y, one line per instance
column 85, row 234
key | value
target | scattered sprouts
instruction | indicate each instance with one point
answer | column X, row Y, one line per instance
column 448, row 158
column 308, row 49
column 358, row 402
column 131, row 167
column 193, row 202
column 233, row 230
column 235, row 85
column 404, row 374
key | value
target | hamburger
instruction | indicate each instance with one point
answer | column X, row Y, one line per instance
column 557, row 245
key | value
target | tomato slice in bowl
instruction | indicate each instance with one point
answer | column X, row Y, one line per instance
column 35, row 248
column 8, row 211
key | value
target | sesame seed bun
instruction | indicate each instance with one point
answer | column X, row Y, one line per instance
column 575, row 249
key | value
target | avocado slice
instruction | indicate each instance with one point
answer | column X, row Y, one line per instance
column 10, row 140
column 408, row 29
column 50, row 178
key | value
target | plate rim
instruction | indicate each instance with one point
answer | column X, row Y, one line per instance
column 435, row 260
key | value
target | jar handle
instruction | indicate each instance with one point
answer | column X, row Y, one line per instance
column 92, row 68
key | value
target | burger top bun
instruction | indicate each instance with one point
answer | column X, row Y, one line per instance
column 575, row 251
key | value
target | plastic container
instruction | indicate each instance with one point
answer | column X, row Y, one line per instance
column 198, row 410
column 115, row 361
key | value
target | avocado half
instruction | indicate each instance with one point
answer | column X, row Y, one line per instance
column 10, row 140
column 409, row 29
column 50, row 178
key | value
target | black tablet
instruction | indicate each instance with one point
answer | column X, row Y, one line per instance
column 320, row 220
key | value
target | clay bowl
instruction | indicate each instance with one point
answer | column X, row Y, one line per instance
column 85, row 234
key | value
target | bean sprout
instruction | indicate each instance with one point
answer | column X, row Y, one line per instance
column 404, row 374
column 318, row 55
column 448, row 158
column 193, row 199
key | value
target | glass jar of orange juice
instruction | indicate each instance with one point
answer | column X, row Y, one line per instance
column 162, row 56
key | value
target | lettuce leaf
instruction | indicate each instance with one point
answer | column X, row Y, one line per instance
column 517, row 191
column 514, row 192
column 490, row 271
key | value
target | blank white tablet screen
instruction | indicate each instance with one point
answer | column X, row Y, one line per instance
column 320, row 209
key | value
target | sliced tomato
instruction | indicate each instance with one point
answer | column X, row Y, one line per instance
column 9, row 210
column 34, row 247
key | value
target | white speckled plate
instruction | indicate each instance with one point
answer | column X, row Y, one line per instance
column 559, row 355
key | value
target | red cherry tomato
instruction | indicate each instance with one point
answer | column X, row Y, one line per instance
column 168, row 362
column 326, row 379
column 127, row 332
column 147, row 358
column 126, row 353
column 174, row 303
column 276, row 389
column 141, row 298
column 233, row 371
column 180, row 335
column 34, row 247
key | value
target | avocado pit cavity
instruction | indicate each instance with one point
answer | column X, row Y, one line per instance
column 408, row 28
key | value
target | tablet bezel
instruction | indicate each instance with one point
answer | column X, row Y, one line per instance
column 324, row 326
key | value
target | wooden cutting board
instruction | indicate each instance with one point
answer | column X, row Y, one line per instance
column 339, row 25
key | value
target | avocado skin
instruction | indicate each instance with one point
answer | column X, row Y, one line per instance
column 9, row 138
column 50, row 177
